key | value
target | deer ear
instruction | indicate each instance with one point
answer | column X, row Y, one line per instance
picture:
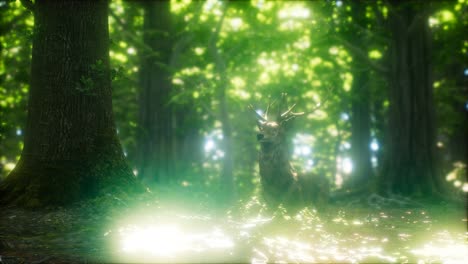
column 260, row 124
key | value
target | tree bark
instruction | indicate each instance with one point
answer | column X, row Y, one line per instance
column 410, row 166
column 156, row 140
column 71, row 150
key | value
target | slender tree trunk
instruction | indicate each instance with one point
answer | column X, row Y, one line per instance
column 227, row 178
column 360, row 102
column 189, row 142
column 188, row 121
column 360, row 130
column 71, row 150
column 410, row 165
column 458, row 142
column 156, row 136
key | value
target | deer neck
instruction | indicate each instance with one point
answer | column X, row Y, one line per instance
column 275, row 164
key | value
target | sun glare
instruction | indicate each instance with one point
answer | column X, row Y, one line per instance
column 168, row 240
column 295, row 11
column 374, row 145
column 164, row 240
column 209, row 145
column 347, row 165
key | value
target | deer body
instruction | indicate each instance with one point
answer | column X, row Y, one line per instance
column 280, row 181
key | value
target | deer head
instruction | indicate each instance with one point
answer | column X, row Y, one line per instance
column 272, row 132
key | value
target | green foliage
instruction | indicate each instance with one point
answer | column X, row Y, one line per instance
column 266, row 47
column 15, row 50
column 87, row 83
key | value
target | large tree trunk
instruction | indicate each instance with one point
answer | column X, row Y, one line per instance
column 410, row 163
column 156, row 140
column 71, row 150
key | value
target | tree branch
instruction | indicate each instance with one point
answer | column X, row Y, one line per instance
column 135, row 39
column 214, row 39
column 170, row 67
column 370, row 32
column 362, row 55
column 209, row 111
column 185, row 40
column 380, row 18
column 419, row 18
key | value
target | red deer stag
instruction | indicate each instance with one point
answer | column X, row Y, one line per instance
column 280, row 181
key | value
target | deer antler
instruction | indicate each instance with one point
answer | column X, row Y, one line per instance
column 288, row 115
column 320, row 104
column 317, row 106
column 288, row 111
column 268, row 108
column 285, row 116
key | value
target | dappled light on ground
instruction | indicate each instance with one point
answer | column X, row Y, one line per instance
column 445, row 247
column 151, row 230
column 256, row 235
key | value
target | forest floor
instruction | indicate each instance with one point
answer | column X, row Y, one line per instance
column 112, row 229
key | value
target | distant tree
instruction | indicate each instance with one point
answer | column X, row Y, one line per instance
column 450, row 80
column 352, row 28
column 227, row 178
column 71, row 150
column 356, row 36
column 169, row 141
column 156, row 138
column 188, row 119
column 410, row 164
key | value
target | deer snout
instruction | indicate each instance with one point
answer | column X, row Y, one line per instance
column 260, row 136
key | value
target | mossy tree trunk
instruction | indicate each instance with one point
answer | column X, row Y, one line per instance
column 410, row 165
column 71, row 150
